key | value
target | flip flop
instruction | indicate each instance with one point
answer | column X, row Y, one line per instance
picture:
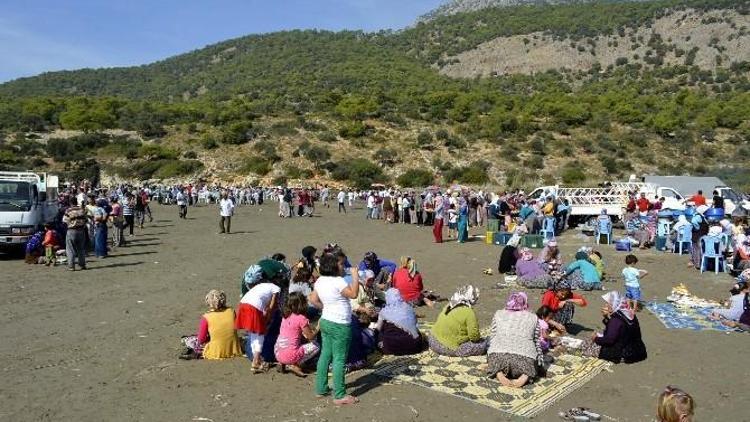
column 346, row 400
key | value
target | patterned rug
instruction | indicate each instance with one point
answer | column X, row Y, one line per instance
column 677, row 317
column 460, row 377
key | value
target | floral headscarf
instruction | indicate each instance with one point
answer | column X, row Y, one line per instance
column 517, row 301
column 526, row 254
column 465, row 295
column 619, row 304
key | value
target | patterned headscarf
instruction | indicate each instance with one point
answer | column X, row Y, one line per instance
column 216, row 300
column 619, row 304
column 399, row 313
column 526, row 254
column 465, row 295
column 410, row 264
column 517, row 301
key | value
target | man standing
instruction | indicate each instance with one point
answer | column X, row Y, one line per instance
column 226, row 210
column 182, row 202
column 75, row 240
column 324, row 196
column 341, row 197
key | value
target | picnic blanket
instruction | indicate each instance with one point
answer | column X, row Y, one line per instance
column 674, row 316
column 460, row 377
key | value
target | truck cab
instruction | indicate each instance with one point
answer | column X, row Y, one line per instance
column 27, row 201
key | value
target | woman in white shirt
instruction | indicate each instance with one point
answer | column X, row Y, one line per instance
column 332, row 294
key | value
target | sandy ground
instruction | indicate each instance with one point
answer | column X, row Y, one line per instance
column 103, row 344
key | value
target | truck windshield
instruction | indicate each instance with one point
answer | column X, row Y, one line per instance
column 731, row 195
column 14, row 196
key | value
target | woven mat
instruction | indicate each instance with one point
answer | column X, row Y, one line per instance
column 678, row 317
column 460, row 377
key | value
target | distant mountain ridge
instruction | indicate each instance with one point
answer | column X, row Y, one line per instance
column 453, row 7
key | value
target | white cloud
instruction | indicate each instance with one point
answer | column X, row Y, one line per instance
column 24, row 53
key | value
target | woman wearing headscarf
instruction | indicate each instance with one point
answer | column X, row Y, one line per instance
column 514, row 355
column 582, row 274
column 408, row 281
column 562, row 301
column 530, row 273
column 700, row 229
column 397, row 325
column 463, row 220
column 509, row 254
column 456, row 331
column 621, row 340
column 438, row 216
column 550, row 257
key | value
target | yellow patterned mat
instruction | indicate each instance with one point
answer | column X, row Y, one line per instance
column 460, row 377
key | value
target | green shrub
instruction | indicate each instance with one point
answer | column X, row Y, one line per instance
column 416, row 178
column 257, row 165
column 209, row 143
column 355, row 129
column 328, row 137
column 174, row 168
column 157, row 152
column 572, row 173
column 473, row 174
column 267, row 151
column 191, row 155
column 360, row 172
column 284, row 128
column 238, row 133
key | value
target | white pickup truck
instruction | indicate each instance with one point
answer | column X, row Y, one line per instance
column 588, row 203
column 27, row 201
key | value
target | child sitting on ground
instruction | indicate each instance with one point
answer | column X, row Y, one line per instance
column 545, row 314
column 34, row 248
column 217, row 338
column 674, row 405
column 633, row 278
column 51, row 244
column 289, row 350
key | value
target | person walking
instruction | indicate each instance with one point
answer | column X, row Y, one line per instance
column 182, row 202
column 75, row 239
column 226, row 210
column 341, row 197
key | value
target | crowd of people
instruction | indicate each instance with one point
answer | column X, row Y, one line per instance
column 324, row 313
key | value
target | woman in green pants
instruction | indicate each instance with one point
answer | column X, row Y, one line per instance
column 332, row 293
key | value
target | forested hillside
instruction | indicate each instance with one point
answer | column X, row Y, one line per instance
column 358, row 107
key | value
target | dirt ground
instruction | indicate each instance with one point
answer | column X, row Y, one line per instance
column 102, row 344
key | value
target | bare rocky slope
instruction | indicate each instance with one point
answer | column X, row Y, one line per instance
column 706, row 40
column 460, row 6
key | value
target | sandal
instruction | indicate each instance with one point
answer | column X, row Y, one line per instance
column 346, row 400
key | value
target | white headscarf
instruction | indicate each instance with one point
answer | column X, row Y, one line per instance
column 465, row 295
column 619, row 304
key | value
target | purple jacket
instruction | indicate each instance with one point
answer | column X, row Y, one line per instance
column 529, row 270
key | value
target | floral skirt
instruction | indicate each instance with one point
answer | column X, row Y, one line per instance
column 590, row 349
column 544, row 281
column 565, row 314
column 466, row 349
column 510, row 365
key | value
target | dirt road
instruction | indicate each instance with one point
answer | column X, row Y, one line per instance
column 102, row 344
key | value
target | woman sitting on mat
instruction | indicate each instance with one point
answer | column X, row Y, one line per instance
column 562, row 301
column 408, row 281
column 456, row 331
column 582, row 274
column 736, row 303
column 217, row 338
column 397, row 325
column 515, row 355
column 621, row 340
column 530, row 273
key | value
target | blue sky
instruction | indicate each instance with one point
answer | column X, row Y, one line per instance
column 39, row 36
